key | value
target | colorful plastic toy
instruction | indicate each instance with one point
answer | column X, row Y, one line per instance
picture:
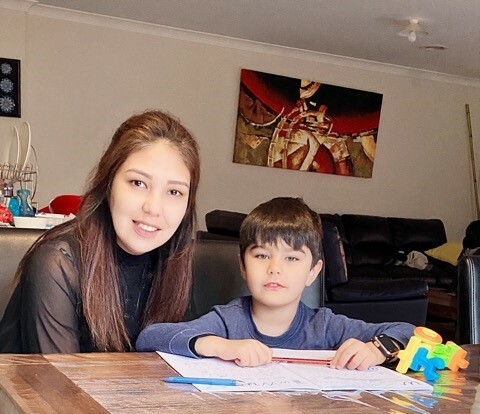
column 426, row 352
column 421, row 337
column 429, row 365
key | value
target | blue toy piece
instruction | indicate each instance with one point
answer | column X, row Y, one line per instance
column 429, row 365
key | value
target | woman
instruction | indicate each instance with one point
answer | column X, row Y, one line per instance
column 124, row 262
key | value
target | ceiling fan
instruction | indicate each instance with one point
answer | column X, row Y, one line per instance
column 412, row 30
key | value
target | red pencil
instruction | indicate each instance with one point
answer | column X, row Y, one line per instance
column 302, row 360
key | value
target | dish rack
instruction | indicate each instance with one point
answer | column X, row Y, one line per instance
column 10, row 174
column 20, row 169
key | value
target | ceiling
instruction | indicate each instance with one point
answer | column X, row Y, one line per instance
column 362, row 29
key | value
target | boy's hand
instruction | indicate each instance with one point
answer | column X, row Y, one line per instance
column 355, row 354
column 245, row 352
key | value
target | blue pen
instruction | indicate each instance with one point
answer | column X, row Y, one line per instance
column 206, row 381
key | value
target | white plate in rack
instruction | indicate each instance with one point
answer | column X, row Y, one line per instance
column 10, row 148
column 25, row 143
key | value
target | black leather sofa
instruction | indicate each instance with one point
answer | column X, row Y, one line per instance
column 468, row 300
column 370, row 299
column 359, row 281
column 371, row 244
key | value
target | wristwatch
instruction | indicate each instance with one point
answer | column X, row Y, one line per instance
column 386, row 346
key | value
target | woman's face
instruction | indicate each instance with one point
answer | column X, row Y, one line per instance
column 149, row 197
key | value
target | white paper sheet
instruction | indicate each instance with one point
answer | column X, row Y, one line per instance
column 291, row 377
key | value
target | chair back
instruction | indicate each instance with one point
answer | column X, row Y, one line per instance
column 468, row 300
column 217, row 279
column 13, row 245
column 65, row 204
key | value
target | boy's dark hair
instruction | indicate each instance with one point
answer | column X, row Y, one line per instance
column 287, row 218
column 472, row 235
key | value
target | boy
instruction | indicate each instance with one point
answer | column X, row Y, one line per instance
column 280, row 254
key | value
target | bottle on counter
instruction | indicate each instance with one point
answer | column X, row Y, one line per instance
column 14, row 206
column 26, row 208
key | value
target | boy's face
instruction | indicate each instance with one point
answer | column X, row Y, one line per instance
column 277, row 274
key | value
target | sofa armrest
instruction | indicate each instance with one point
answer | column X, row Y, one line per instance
column 468, row 300
column 334, row 256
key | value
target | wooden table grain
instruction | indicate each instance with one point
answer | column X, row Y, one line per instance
column 133, row 383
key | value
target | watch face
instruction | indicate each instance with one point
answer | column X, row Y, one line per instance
column 386, row 346
column 387, row 343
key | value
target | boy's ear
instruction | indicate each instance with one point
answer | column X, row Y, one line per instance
column 242, row 267
column 314, row 271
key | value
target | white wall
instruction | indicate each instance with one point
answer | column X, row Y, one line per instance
column 84, row 75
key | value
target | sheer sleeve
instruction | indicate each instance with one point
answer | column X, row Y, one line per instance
column 50, row 307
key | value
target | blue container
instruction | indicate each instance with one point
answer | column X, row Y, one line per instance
column 26, row 208
column 14, row 206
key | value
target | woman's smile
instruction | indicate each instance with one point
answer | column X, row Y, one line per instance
column 145, row 230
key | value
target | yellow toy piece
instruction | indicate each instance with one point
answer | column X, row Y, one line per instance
column 406, row 355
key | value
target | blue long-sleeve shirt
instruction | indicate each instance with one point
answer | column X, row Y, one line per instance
column 310, row 329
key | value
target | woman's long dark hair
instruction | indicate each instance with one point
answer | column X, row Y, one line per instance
column 93, row 228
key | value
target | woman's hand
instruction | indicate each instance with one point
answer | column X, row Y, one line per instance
column 245, row 352
column 355, row 354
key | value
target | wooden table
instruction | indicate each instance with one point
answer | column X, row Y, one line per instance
column 132, row 383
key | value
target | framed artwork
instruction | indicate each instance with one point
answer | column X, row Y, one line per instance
column 10, row 87
column 306, row 125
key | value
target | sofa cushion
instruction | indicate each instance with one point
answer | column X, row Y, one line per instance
column 386, row 272
column 369, row 240
column 439, row 274
column 413, row 311
column 416, row 234
column 359, row 290
column 447, row 252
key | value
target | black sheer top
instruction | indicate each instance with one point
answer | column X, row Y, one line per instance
column 44, row 314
